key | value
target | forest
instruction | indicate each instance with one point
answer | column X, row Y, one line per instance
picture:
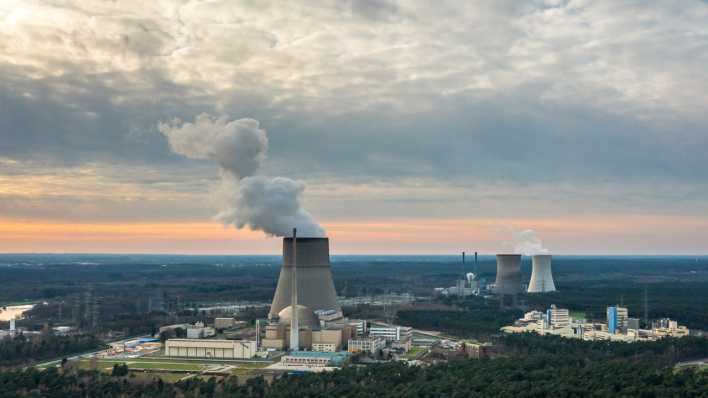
column 23, row 349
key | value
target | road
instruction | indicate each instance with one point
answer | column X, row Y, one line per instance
column 698, row 362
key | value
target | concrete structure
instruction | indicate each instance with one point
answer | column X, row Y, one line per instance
column 617, row 319
column 324, row 347
column 541, row 275
column 480, row 350
column 370, row 345
column 226, row 349
column 314, row 276
column 391, row 333
column 557, row 318
column 360, row 325
column 294, row 308
column 306, row 317
column 330, row 338
column 633, row 323
column 508, row 280
column 309, row 359
column 199, row 331
column 224, row 323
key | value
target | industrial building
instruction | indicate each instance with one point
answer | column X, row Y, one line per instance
column 555, row 321
column 392, row 333
column 541, row 276
column 314, row 360
column 557, row 318
column 617, row 319
column 330, row 337
column 370, row 345
column 200, row 331
column 222, row 349
column 314, row 277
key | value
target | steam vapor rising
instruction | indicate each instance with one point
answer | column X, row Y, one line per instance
column 528, row 243
column 268, row 204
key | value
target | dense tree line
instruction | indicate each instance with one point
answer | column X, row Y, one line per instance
column 22, row 349
column 477, row 318
column 534, row 366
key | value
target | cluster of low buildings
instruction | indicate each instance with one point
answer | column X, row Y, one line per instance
column 618, row 327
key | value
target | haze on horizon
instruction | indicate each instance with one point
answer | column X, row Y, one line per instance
column 417, row 127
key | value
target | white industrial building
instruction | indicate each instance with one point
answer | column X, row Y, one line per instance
column 558, row 318
column 370, row 345
column 391, row 333
column 199, row 331
column 226, row 349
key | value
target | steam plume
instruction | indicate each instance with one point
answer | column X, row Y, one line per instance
column 271, row 205
column 528, row 243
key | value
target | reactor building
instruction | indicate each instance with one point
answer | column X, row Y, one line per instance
column 305, row 314
column 541, row 275
column 315, row 288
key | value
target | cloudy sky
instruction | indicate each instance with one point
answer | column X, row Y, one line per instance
column 416, row 126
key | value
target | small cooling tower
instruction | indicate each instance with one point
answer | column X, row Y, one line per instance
column 315, row 288
column 508, row 274
column 541, row 276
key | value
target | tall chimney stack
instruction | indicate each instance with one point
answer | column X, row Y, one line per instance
column 294, row 324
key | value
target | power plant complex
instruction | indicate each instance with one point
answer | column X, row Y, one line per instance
column 305, row 313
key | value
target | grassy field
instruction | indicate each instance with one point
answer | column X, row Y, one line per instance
column 107, row 364
column 578, row 314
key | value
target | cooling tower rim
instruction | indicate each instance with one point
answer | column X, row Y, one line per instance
column 541, row 255
column 508, row 255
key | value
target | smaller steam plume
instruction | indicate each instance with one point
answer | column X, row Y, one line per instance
column 268, row 204
column 528, row 243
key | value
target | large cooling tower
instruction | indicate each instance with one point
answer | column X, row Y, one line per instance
column 541, row 276
column 314, row 277
column 508, row 274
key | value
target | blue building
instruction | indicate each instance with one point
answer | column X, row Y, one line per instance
column 612, row 319
column 617, row 319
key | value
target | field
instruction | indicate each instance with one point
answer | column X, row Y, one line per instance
column 578, row 315
column 107, row 364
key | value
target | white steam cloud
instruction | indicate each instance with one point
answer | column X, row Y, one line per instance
column 268, row 204
column 528, row 243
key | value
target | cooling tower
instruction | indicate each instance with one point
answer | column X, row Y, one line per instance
column 314, row 277
column 541, row 276
column 508, row 274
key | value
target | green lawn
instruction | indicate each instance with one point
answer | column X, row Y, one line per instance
column 578, row 315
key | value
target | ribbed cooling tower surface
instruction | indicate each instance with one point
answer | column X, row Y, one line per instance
column 541, row 275
column 508, row 274
column 315, row 287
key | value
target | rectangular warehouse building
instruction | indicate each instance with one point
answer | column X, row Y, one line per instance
column 226, row 349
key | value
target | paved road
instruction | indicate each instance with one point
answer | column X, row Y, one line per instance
column 698, row 362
